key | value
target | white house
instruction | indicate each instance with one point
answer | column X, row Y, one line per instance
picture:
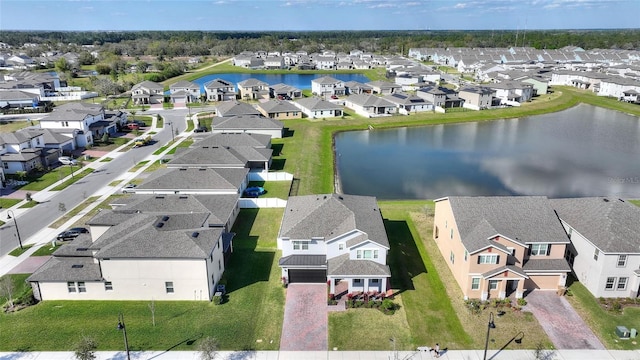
column 147, row 92
column 220, row 90
column 605, row 239
column 82, row 121
column 327, row 86
column 333, row 237
column 138, row 252
column 370, row 105
column 409, row 103
column 315, row 107
column 184, row 92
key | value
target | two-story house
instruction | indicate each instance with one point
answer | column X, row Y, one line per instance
column 253, row 89
column 327, row 86
column 220, row 90
column 495, row 246
column 605, row 244
column 477, row 97
column 170, row 247
column 147, row 92
column 184, row 92
column 22, row 151
column 333, row 238
column 82, row 121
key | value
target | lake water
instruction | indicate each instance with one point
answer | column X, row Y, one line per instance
column 301, row 81
column 582, row 151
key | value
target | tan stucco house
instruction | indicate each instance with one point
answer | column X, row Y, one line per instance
column 497, row 246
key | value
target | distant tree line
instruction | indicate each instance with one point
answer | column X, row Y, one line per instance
column 169, row 44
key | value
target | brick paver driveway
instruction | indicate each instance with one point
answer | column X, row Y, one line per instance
column 561, row 322
column 305, row 318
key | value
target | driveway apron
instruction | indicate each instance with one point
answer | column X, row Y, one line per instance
column 305, row 318
column 561, row 322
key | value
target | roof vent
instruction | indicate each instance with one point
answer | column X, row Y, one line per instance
column 605, row 200
column 165, row 218
column 183, row 197
column 82, row 249
column 340, row 197
column 183, row 169
column 159, row 197
column 620, row 200
column 77, row 266
column 195, row 234
column 202, row 169
column 159, row 225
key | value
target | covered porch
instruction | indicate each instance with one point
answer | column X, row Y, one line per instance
column 502, row 283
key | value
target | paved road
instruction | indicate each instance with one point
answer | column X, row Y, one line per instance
column 32, row 221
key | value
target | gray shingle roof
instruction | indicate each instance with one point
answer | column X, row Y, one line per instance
column 67, row 269
column 235, row 139
column 315, row 103
column 525, row 219
column 245, row 122
column 195, row 179
column 369, row 100
column 209, row 157
column 141, row 236
column 613, row 226
column 79, row 247
column 234, row 108
column 278, row 106
column 343, row 266
column 73, row 111
column 303, row 261
column 546, row 265
column 331, row 215
column 326, row 80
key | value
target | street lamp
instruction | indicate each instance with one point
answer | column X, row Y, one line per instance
column 11, row 215
column 122, row 327
column 490, row 326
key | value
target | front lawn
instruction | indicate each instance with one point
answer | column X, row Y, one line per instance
column 6, row 203
column 250, row 320
column 17, row 251
column 45, row 180
column 77, row 176
column 604, row 322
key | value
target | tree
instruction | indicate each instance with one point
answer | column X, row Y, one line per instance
column 62, row 66
column 21, row 174
column 105, row 138
column 85, row 348
column 7, row 287
column 208, row 348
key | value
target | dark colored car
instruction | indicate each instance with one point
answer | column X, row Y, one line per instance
column 200, row 129
column 71, row 233
column 133, row 126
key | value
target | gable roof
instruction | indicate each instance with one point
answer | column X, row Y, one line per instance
column 525, row 219
column 74, row 111
column 219, row 156
column 315, row 103
column 147, row 85
column 343, row 266
column 404, row 98
column 195, row 179
column 235, row 139
column 331, row 215
column 326, row 80
column 245, row 122
column 251, row 82
column 277, row 106
column 184, row 84
column 369, row 100
column 67, row 269
column 234, row 108
column 612, row 225
column 218, row 83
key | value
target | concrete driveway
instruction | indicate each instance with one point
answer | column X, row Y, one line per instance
column 561, row 322
column 305, row 326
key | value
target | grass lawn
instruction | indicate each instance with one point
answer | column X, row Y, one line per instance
column 77, row 176
column 6, row 203
column 48, row 179
column 29, row 204
column 13, row 126
column 603, row 322
column 254, row 312
column 69, row 214
column 275, row 189
column 20, row 287
column 46, row 249
column 155, row 166
column 107, row 159
column 137, row 166
column 17, row 251
column 636, row 202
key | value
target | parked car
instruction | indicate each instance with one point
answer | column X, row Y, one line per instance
column 128, row 188
column 67, row 160
column 254, row 191
column 133, row 126
column 200, row 129
column 334, row 97
column 72, row 233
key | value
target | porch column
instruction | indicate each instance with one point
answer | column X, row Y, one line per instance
column 520, row 289
column 366, row 284
column 502, row 293
column 383, row 285
column 332, row 285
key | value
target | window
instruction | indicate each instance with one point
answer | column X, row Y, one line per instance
column 71, row 286
column 451, row 234
column 168, row 286
column 375, row 281
column 211, row 257
column 108, row 286
column 219, row 264
column 475, row 283
column 595, row 254
column 300, row 245
column 437, row 232
column 493, row 284
column 622, row 283
column 341, row 246
column 6, row 165
column 452, row 257
column 367, row 254
column 446, row 224
column 488, row 259
column 357, row 281
column 569, row 232
column 466, row 255
column 622, row 260
column 81, row 287
column 609, row 284
column 540, row 249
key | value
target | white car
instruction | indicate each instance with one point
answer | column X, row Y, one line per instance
column 66, row 160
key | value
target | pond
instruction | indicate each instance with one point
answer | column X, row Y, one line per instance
column 582, row 151
column 301, row 81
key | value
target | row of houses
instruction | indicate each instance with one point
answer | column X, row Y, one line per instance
column 327, row 60
column 497, row 247
column 27, row 89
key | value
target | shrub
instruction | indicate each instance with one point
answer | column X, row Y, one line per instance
column 616, row 306
column 522, row 302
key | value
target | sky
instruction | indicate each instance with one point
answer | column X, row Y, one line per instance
column 285, row 15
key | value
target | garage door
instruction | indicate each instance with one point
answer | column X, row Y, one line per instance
column 307, row 276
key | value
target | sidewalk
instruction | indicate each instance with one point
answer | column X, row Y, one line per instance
column 44, row 236
column 338, row 355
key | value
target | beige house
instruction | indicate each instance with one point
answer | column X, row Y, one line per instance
column 497, row 246
column 279, row 109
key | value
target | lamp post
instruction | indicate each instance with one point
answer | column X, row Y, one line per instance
column 172, row 136
column 490, row 325
column 122, row 327
column 11, row 215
